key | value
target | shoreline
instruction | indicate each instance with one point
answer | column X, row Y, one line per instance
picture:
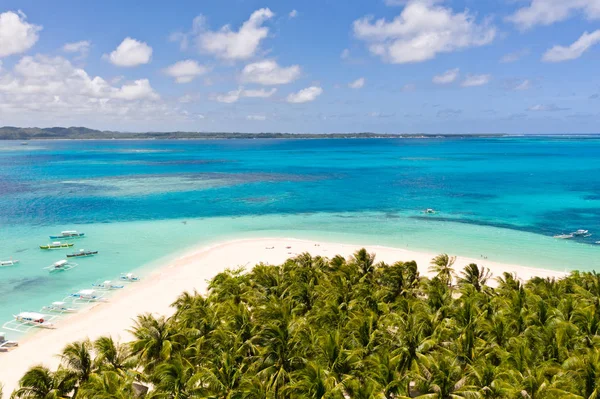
column 190, row 271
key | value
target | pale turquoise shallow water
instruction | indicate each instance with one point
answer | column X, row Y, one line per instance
column 502, row 198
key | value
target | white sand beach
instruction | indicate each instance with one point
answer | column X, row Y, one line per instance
column 190, row 272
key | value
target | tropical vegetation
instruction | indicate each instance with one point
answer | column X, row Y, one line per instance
column 349, row 328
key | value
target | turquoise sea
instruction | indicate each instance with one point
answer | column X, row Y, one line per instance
column 141, row 202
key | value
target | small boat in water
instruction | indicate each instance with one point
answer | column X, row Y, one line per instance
column 56, row 245
column 564, row 236
column 108, row 285
column 82, row 253
column 5, row 263
column 580, row 232
column 58, row 307
column 60, row 266
column 6, row 345
column 129, row 277
column 430, row 211
column 25, row 321
column 87, row 296
column 65, row 235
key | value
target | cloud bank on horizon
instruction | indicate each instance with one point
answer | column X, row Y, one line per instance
column 414, row 66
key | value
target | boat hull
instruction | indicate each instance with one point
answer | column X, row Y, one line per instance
column 82, row 255
column 56, row 246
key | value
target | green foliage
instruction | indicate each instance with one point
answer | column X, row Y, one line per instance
column 337, row 329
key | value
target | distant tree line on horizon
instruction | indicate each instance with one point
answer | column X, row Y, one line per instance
column 349, row 328
column 83, row 133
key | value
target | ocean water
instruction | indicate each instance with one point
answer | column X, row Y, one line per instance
column 142, row 202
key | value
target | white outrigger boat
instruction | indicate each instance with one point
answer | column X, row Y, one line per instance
column 108, row 285
column 60, row 266
column 6, row 345
column 580, row 232
column 87, row 296
column 59, row 307
column 564, row 236
column 68, row 234
column 25, row 321
column 6, row 263
column 129, row 277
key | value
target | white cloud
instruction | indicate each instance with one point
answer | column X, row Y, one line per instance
column 269, row 73
column 231, row 45
column 546, row 108
column 305, row 95
column 422, row 31
column 345, row 54
column 357, row 84
column 447, row 77
column 52, row 89
column 524, row 85
column 185, row 71
column 475, row 80
column 575, row 50
column 82, row 46
column 256, row 117
column 408, row 87
column 293, row 14
column 234, row 95
column 130, row 53
column 16, row 34
column 513, row 57
column 139, row 89
column 547, row 12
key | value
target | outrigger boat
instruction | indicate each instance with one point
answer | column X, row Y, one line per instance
column 60, row 266
column 65, row 235
column 82, row 253
column 56, row 245
column 87, row 296
column 580, row 232
column 25, row 321
column 129, row 277
column 108, row 285
column 6, row 345
column 58, row 307
column 5, row 263
column 564, row 236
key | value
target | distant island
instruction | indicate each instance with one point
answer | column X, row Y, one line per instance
column 84, row 133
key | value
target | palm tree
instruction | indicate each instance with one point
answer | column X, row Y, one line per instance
column 313, row 382
column 41, row 383
column 335, row 329
column 441, row 265
column 77, row 359
column 177, row 379
column 440, row 376
column 155, row 340
column 107, row 385
column 475, row 276
column 112, row 356
column 584, row 370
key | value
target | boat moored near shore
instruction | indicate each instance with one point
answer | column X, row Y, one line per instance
column 58, row 307
column 108, row 285
column 56, row 245
column 25, row 321
column 82, row 253
column 6, row 263
column 6, row 345
column 60, row 266
column 129, row 277
column 68, row 234
column 86, row 296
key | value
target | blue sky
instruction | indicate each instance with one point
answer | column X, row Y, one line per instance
column 396, row 66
